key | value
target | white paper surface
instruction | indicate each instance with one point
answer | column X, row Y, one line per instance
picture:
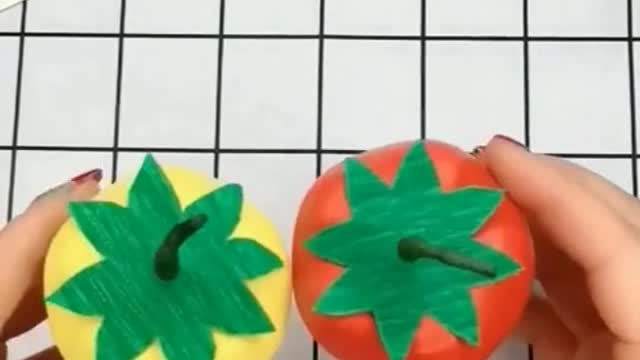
column 5, row 4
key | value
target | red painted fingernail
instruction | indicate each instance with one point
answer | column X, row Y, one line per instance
column 511, row 140
column 95, row 174
column 477, row 150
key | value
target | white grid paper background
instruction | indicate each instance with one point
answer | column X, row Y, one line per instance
column 270, row 93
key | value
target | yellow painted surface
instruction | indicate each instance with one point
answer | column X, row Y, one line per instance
column 70, row 252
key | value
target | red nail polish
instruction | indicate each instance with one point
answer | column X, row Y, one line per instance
column 511, row 140
column 95, row 174
column 477, row 150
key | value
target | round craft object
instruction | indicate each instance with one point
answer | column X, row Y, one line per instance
column 167, row 265
column 410, row 251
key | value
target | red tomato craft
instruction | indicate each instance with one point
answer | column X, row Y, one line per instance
column 410, row 251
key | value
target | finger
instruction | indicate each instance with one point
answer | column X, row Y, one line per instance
column 624, row 204
column 581, row 226
column 25, row 240
column 621, row 202
column 48, row 354
column 562, row 279
column 51, row 353
column 604, row 345
column 29, row 312
column 565, row 287
column 578, row 222
column 545, row 332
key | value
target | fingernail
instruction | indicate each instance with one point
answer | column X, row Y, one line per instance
column 511, row 140
column 68, row 187
column 95, row 175
column 477, row 150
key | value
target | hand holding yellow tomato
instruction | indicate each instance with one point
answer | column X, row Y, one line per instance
column 71, row 248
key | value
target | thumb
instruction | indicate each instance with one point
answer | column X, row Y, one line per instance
column 581, row 225
column 25, row 241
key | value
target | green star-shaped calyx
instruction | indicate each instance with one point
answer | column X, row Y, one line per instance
column 168, row 274
column 408, row 251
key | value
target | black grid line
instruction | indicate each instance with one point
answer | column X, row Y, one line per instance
column 315, row 355
column 119, row 70
column 218, row 110
column 514, row 38
column 16, row 119
column 320, row 107
column 423, row 69
column 527, row 98
column 525, row 56
column 267, row 151
column 632, row 98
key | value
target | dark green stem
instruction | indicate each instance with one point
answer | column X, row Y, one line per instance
column 167, row 262
column 412, row 250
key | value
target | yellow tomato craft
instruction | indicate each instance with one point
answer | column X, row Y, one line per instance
column 169, row 265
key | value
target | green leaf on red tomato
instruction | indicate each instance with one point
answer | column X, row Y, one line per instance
column 398, row 293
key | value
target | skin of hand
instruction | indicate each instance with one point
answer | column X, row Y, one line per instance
column 586, row 235
column 23, row 245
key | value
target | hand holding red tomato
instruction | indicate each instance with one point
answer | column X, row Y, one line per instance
column 584, row 232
